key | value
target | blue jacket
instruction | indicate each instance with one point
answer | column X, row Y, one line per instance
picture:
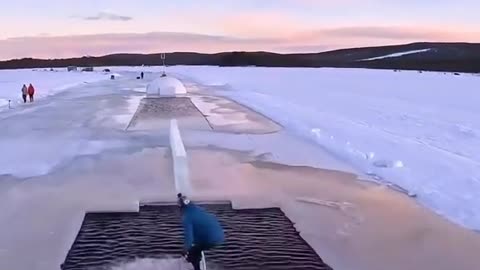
column 200, row 227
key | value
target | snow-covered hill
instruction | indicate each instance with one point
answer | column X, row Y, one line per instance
column 399, row 54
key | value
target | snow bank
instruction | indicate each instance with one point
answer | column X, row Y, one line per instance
column 396, row 54
column 45, row 82
column 419, row 132
column 166, row 86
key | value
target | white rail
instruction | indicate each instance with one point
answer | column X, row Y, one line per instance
column 180, row 160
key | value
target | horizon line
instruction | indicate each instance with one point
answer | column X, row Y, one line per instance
column 240, row 51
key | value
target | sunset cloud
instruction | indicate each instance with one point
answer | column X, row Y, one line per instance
column 70, row 46
column 106, row 16
column 144, row 26
column 311, row 41
column 394, row 34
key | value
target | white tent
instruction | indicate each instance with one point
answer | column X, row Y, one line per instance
column 166, row 86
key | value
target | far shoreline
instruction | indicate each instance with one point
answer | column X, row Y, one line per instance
column 420, row 56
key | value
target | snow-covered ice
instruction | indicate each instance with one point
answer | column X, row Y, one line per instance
column 64, row 124
column 70, row 153
column 416, row 131
column 45, row 82
column 420, row 132
column 396, row 54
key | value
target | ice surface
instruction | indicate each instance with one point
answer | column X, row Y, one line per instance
column 420, row 132
column 126, row 117
column 45, row 82
column 68, row 155
column 64, row 125
column 3, row 102
column 396, row 54
column 23, row 159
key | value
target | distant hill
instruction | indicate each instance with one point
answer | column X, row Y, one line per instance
column 453, row 57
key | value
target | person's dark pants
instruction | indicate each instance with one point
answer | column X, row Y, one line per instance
column 24, row 98
column 31, row 98
column 195, row 255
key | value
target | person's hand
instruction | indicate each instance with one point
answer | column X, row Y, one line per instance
column 185, row 255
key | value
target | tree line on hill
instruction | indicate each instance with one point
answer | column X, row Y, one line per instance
column 448, row 57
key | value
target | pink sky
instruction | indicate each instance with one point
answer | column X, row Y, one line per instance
column 56, row 29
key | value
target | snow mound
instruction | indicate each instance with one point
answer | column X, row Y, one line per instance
column 166, row 86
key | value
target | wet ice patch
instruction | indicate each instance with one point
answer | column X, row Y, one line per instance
column 342, row 206
column 345, row 208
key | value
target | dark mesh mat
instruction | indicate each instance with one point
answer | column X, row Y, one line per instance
column 167, row 107
column 256, row 239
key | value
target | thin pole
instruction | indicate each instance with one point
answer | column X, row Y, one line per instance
column 163, row 60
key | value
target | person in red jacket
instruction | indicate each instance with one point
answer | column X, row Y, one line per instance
column 31, row 92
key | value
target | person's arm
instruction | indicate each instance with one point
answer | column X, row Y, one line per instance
column 188, row 232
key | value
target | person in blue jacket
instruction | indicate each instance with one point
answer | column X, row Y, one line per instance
column 201, row 229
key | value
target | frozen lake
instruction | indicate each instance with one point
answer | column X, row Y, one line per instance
column 69, row 152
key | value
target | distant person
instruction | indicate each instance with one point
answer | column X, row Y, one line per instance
column 202, row 231
column 31, row 92
column 24, row 93
column 142, row 75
